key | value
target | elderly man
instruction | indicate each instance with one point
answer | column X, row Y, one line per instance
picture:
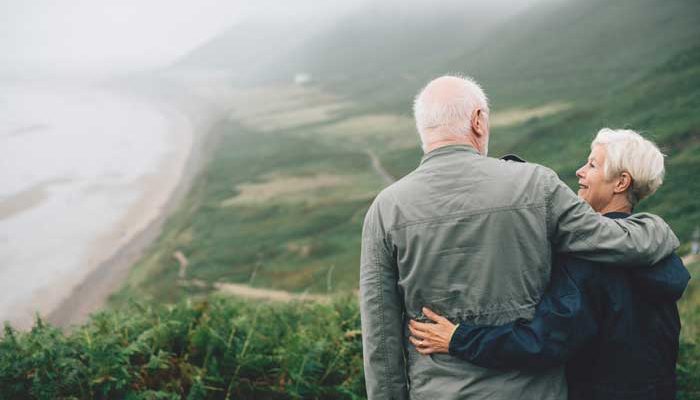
column 472, row 238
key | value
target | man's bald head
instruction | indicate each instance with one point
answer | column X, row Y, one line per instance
column 445, row 110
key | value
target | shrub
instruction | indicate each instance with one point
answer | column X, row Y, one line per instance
column 217, row 349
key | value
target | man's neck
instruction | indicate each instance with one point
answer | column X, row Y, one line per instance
column 453, row 141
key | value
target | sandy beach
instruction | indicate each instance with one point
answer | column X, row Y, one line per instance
column 115, row 253
column 100, row 270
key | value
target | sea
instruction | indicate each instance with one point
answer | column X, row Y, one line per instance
column 75, row 161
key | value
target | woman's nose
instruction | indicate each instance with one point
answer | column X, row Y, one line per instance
column 579, row 172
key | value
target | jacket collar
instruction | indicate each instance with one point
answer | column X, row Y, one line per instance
column 617, row 215
column 452, row 148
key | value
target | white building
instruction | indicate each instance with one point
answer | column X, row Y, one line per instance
column 302, row 78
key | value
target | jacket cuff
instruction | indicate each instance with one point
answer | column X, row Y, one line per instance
column 459, row 337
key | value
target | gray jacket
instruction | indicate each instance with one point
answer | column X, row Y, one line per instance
column 472, row 238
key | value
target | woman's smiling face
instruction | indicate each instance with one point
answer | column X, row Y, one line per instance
column 593, row 187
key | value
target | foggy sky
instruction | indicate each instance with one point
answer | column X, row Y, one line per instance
column 122, row 34
column 118, row 35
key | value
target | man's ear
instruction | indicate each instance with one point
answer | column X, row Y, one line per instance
column 623, row 183
column 478, row 123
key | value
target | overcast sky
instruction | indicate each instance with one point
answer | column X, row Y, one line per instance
column 57, row 36
column 117, row 35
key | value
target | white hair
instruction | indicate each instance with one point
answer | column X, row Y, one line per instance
column 627, row 151
column 438, row 119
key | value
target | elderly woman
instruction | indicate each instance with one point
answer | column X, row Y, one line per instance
column 616, row 329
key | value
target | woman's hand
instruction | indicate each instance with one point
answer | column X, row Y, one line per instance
column 432, row 338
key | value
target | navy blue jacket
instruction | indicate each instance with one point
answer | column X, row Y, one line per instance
column 615, row 328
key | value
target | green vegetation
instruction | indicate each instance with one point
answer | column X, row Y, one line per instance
column 281, row 203
column 271, row 210
column 225, row 349
column 689, row 357
column 660, row 106
column 577, row 51
column 221, row 349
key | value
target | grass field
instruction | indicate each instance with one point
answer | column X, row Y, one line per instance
column 282, row 207
column 278, row 209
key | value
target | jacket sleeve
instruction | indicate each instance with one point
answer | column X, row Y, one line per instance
column 381, row 313
column 575, row 228
column 564, row 321
column 666, row 280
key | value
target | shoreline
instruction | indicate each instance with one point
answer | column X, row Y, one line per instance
column 91, row 293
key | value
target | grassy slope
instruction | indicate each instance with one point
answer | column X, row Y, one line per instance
column 660, row 106
column 309, row 239
column 576, row 50
column 555, row 50
column 298, row 239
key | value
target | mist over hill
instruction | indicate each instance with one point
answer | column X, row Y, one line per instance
column 555, row 71
column 574, row 49
column 562, row 68
column 558, row 49
column 387, row 40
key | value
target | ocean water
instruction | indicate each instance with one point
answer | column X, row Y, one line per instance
column 74, row 162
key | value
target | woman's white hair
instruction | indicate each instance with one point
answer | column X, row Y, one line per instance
column 439, row 117
column 627, row 151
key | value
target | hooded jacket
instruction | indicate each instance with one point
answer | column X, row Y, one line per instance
column 617, row 329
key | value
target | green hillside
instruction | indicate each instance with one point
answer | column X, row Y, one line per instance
column 526, row 54
column 281, row 203
column 580, row 50
column 387, row 44
column 659, row 105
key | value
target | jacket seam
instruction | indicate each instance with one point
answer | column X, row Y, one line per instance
column 466, row 315
column 385, row 348
column 466, row 214
column 548, row 211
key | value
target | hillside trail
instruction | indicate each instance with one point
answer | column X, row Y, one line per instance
column 379, row 168
column 253, row 293
column 243, row 290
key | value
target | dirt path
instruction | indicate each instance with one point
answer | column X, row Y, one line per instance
column 249, row 292
column 377, row 166
column 253, row 293
column 182, row 260
column 91, row 295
